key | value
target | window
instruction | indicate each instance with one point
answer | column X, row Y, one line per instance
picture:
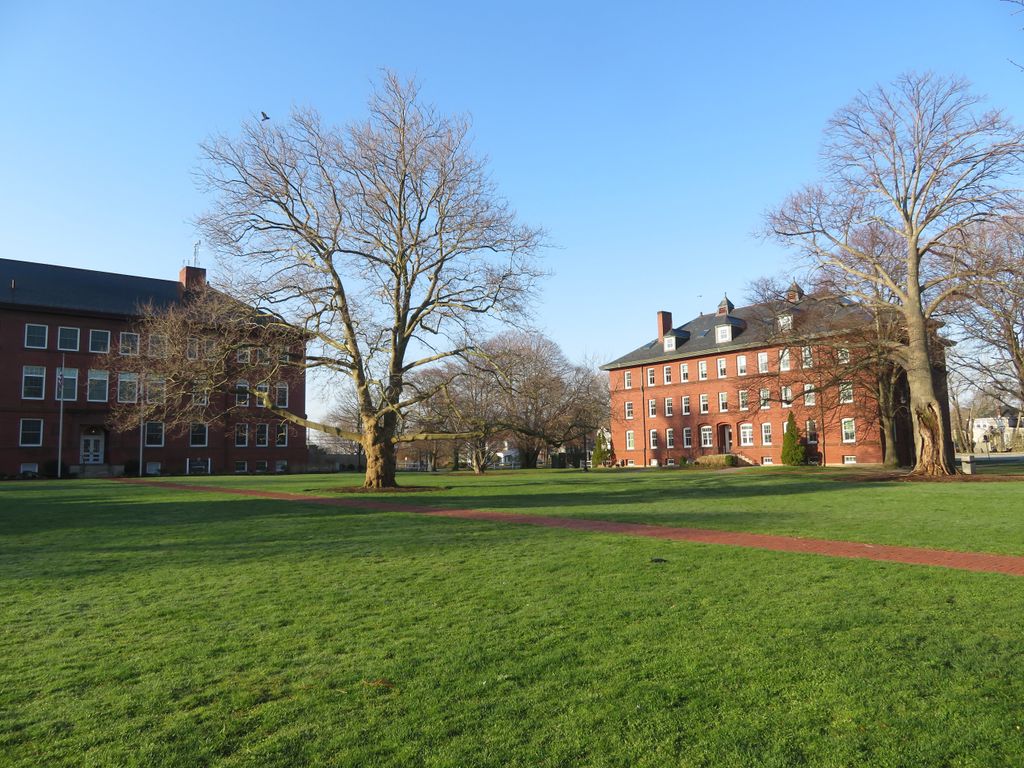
column 810, row 396
column 192, row 349
column 201, row 392
column 811, row 430
column 242, row 393
column 629, row 409
column 281, row 465
column 284, row 358
column 723, row 402
column 241, row 467
column 35, row 336
column 765, row 396
column 281, row 395
column 650, row 377
column 153, row 467
column 29, row 467
column 684, row 371
column 741, row 365
column 785, row 322
column 259, row 466
column 687, row 437
column 96, row 388
column 261, row 389
column 706, row 437
column 33, row 382
column 667, row 374
column 157, row 345
column 704, row 404
column 67, row 339
column 746, row 435
column 762, row 362
column 99, row 342
column 198, row 435
column 652, row 407
column 241, row 435
column 128, row 344
column 261, row 436
column 262, row 356
column 722, row 368
column 627, row 380
column 630, row 445
column 67, row 384
column 684, row 403
column 127, row 387
column 766, row 434
column 767, row 461
column 654, row 438
column 849, row 431
column 843, row 355
column 30, row 433
column 281, row 439
column 845, row 392
column 670, row 343
column 156, row 389
column 744, row 400
column 243, row 355
column 723, row 333
column 849, row 459
column 702, row 370
column 154, row 434
column 668, row 406
column 807, row 357
column 670, row 438
column 784, row 360
column 786, row 395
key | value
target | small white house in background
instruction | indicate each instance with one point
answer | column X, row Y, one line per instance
column 996, row 433
column 507, row 457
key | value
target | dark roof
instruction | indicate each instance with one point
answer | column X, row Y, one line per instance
column 47, row 286
column 753, row 326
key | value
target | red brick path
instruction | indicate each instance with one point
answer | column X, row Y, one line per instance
column 966, row 561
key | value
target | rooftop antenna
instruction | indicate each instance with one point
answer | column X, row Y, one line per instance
column 195, row 253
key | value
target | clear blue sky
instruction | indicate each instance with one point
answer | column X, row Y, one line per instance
column 647, row 138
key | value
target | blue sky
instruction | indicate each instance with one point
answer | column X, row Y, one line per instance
column 647, row 138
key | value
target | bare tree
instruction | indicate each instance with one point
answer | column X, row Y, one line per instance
column 918, row 165
column 384, row 241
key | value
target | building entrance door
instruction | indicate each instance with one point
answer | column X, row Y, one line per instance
column 725, row 438
column 92, row 449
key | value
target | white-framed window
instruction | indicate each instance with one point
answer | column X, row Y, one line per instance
column 687, row 437
column 786, row 395
column 31, row 467
column 153, row 468
column 262, row 435
column 807, row 357
column 765, row 397
column 627, row 380
column 849, row 459
column 846, row 392
column 704, row 408
column 30, row 433
column 747, row 435
column 654, row 438
column 201, row 392
column 198, row 435
column 707, row 437
column 157, row 345
column 36, row 335
column 127, row 387
column 629, row 409
column 810, row 395
column 241, row 467
column 723, row 368
column 744, row 397
column 261, row 389
column 811, row 430
column 652, row 407
column 192, row 348
column 741, row 365
column 668, row 406
column 630, row 440
column 843, row 355
column 849, row 431
column 785, row 322
column 702, row 370
column 784, row 360
column 97, row 386
column 99, row 342
column 670, row 438
column 68, row 338
column 259, row 466
column 723, row 333
column 128, row 343
column 66, row 387
column 766, row 434
column 630, row 463
column 684, row 371
column 154, row 434
column 650, row 377
column 241, row 435
column 262, row 356
column 33, row 382
column 684, row 404
column 156, row 389
column 281, row 438
column 723, row 402
column 762, row 362
column 242, row 392
column 767, row 461
column 281, row 394
column 669, row 343
column 243, row 355
column 666, row 374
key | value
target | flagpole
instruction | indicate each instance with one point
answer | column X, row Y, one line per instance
column 142, row 422
column 60, row 420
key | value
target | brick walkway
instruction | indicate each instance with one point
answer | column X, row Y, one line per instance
column 965, row 561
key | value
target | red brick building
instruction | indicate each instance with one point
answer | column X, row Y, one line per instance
column 67, row 329
column 722, row 383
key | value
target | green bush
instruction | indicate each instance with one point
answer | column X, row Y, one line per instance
column 793, row 453
column 716, row 460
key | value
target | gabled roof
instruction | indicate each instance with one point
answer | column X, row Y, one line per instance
column 47, row 286
column 753, row 326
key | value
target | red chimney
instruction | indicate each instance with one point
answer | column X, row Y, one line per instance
column 192, row 278
column 664, row 323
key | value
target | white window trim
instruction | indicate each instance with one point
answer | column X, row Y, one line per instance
column 787, row 402
column 653, row 436
column 668, row 407
column 704, row 404
column 684, row 372
column 46, row 335
column 206, row 435
column 842, row 430
column 630, row 440
column 785, row 361
column 126, row 377
column 766, row 433
column 627, row 380
column 810, row 395
column 21, row 434
column 746, row 431
column 277, row 433
column 106, row 386
column 702, row 370
column 684, row 405
column 256, row 435
column 58, row 392
column 722, row 366
column 163, row 435
column 808, row 432
column 687, row 437
column 78, row 338
column 743, row 396
column 101, row 332
column 741, row 367
column 723, row 402
column 652, row 407
column 762, row 362
column 121, row 345
column 670, row 438
column 666, row 374
column 628, row 409
column 651, row 377
column 707, row 431
column 278, row 388
column 245, row 436
column 34, row 376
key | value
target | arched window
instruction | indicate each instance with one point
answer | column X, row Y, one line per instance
column 707, row 437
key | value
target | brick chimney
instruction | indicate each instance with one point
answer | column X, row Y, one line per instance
column 664, row 323
column 192, row 278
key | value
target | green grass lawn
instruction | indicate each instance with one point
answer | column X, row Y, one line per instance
column 143, row 626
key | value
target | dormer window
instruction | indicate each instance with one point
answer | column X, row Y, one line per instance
column 723, row 333
column 670, row 343
column 785, row 322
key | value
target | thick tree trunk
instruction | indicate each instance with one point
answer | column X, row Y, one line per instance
column 528, row 457
column 887, row 418
column 925, row 410
column 380, row 454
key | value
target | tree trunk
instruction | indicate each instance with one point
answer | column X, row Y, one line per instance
column 528, row 457
column 380, row 454
column 887, row 418
column 925, row 409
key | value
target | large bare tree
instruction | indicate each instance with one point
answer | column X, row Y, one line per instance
column 919, row 164
column 384, row 241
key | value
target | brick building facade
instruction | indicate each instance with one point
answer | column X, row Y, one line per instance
column 722, row 383
column 69, row 328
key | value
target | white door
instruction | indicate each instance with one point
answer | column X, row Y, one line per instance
column 92, row 449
